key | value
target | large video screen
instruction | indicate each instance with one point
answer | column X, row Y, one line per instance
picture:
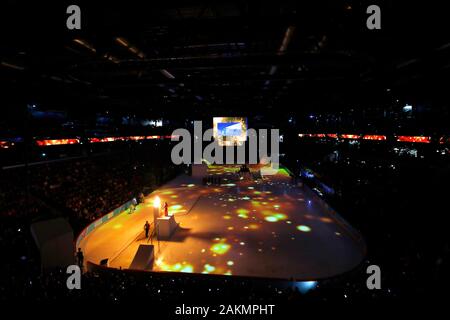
column 230, row 131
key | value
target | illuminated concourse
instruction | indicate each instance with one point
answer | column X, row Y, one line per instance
column 260, row 228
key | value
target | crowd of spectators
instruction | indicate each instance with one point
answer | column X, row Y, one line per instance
column 80, row 190
column 166, row 290
column 395, row 210
column 396, row 201
column 90, row 188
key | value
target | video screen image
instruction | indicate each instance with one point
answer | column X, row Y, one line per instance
column 230, row 128
column 230, row 131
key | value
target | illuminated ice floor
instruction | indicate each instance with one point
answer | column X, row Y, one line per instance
column 268, row 228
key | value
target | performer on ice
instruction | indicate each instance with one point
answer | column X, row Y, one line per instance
column 166, row 209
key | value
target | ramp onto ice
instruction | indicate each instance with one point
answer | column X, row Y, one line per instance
column 54, row 238
column 143, row 260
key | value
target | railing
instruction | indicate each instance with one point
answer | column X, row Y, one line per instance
column 86, row 231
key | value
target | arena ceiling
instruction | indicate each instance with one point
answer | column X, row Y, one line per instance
column 192, row 57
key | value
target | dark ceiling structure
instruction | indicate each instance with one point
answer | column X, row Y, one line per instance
column 181, row 58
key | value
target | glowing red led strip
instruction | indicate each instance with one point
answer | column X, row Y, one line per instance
column 414, row 139
column 350, row 136
column 55, row 142
column 374, row 137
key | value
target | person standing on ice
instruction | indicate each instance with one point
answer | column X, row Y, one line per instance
column 166, row 209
